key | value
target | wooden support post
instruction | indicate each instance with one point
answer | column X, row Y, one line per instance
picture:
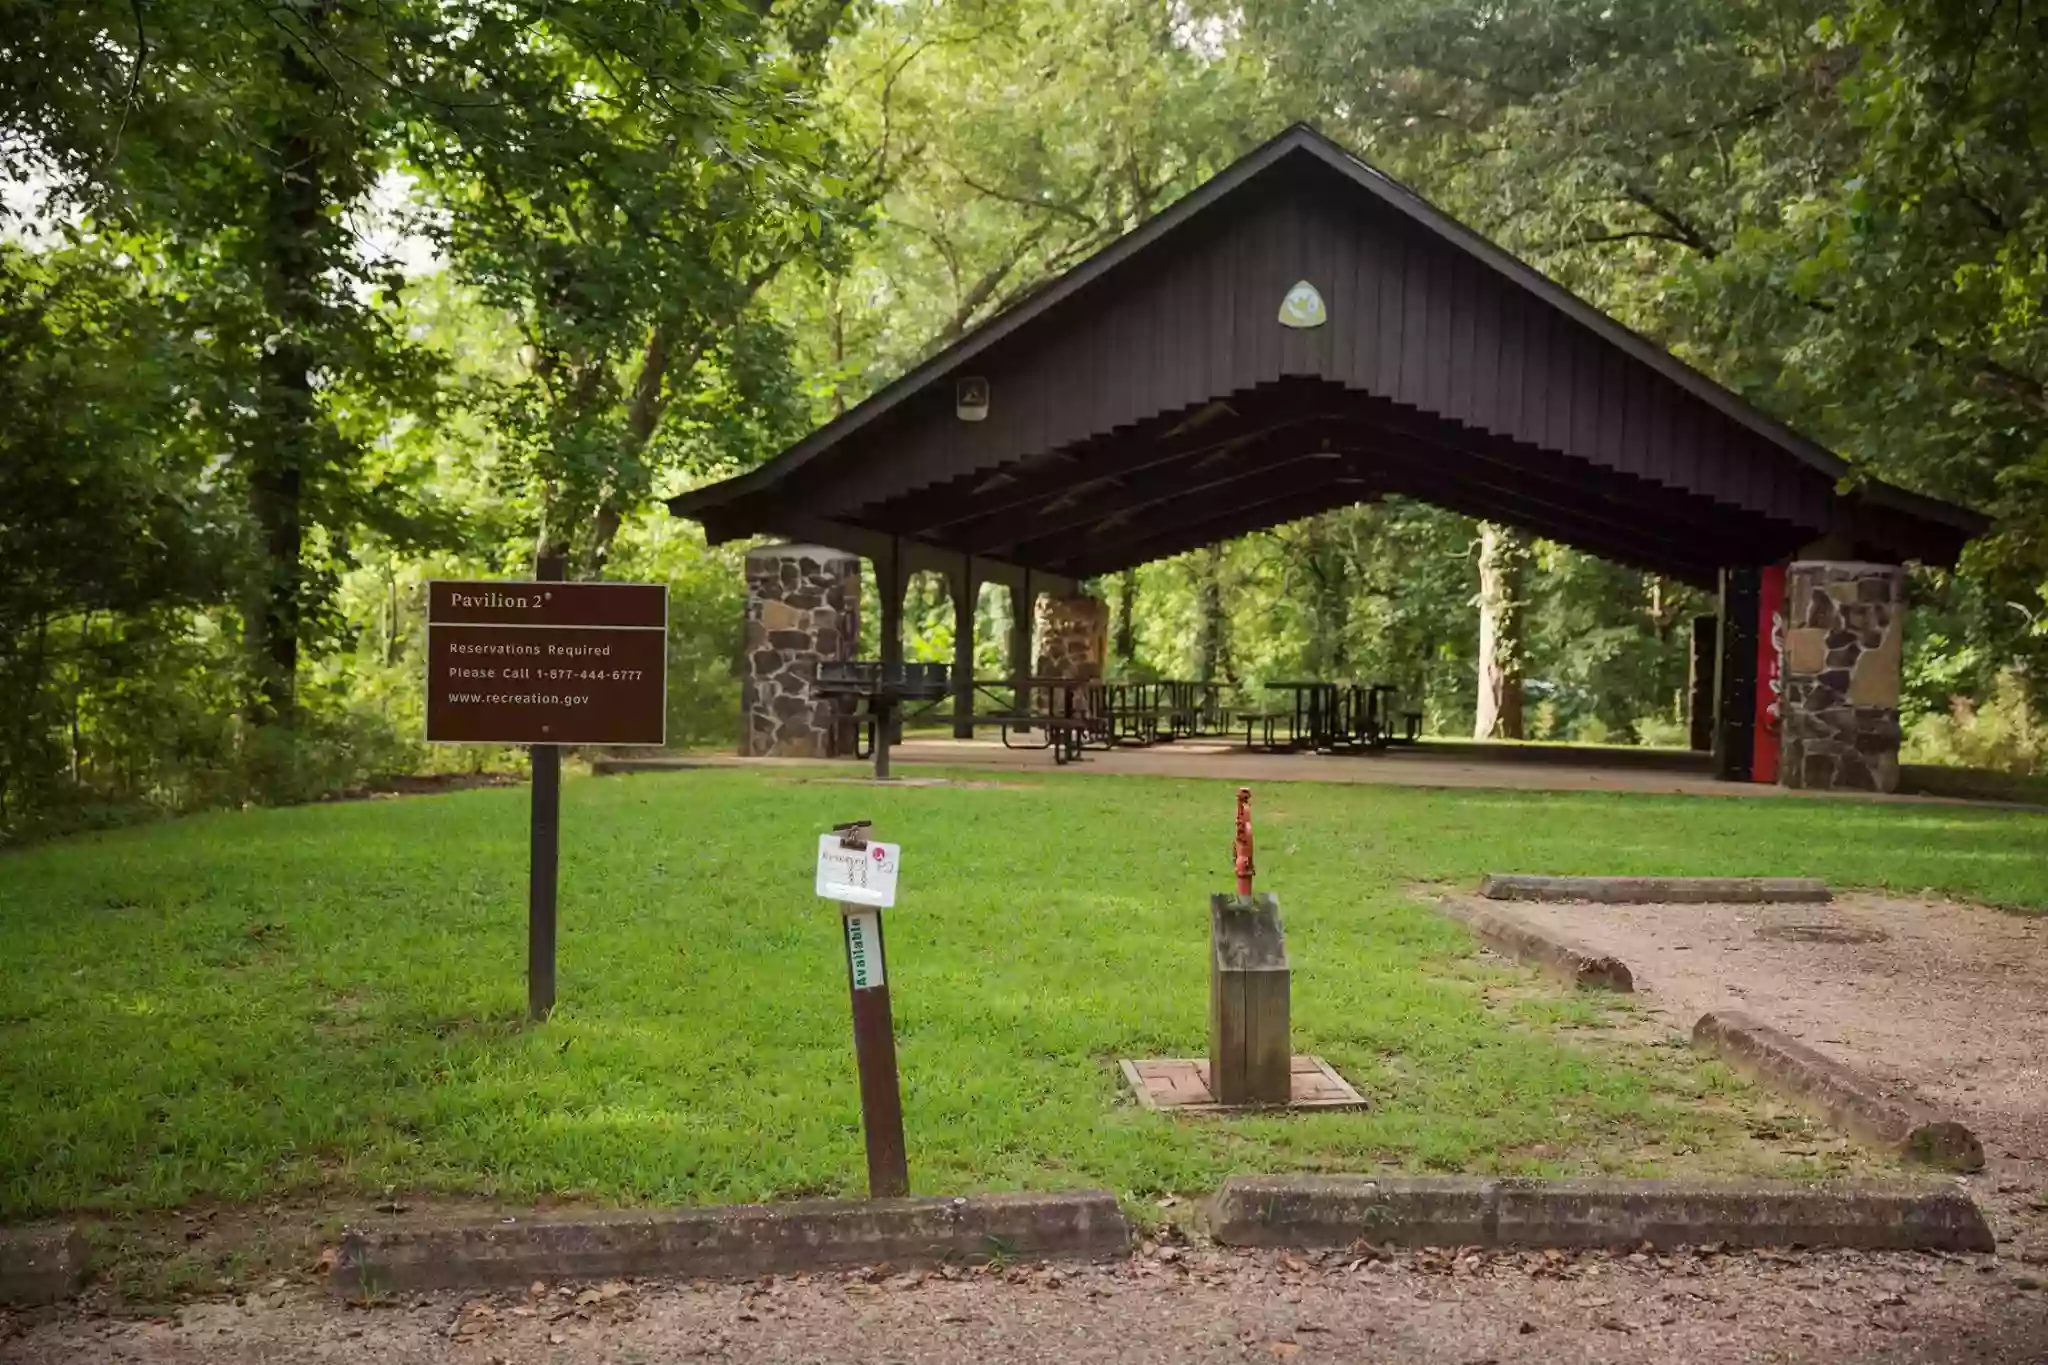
column 1023, row 603
column 964, row 590
column 889, row 583
column 1250, row 1057
column 1700, row 684
column 1735, row 676
column 544, row 854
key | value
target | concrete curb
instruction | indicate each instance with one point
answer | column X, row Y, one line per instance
column 730, row 1241
column 1560, row 956
column 1512, row 886
column 1858, row 1104
column 1451, row 1211
column 42, row 1264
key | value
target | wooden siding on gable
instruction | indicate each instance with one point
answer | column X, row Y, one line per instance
column 1444, row 370
column 1411, row 319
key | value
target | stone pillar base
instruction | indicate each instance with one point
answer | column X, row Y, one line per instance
column 1840, row 707
column 1072, row 637
column 803, row 608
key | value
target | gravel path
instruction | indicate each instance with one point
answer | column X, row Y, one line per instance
column 1176, row 1304
column 1947, row 1000
column 1951, row 1000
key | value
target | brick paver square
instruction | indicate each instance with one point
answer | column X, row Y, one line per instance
column 1180, row 1085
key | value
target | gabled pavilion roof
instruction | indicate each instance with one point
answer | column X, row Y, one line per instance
column 1151, row 400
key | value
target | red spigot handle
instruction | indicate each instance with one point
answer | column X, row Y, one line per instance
column 1243, row 847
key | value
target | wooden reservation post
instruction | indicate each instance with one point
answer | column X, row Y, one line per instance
column 1249, row 1055
column 867, row 981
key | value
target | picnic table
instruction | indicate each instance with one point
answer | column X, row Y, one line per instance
column 1377, row 717
column 1332, row 716
column 1062, row 714
column 1160, row 710
column 879, row 691
column 1312, row 716
column 1196, row 708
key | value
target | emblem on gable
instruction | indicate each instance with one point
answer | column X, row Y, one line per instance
column 1303, row 307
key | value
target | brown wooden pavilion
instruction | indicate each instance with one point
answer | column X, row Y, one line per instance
column 1299, row 334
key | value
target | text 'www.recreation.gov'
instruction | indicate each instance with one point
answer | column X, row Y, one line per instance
column 518, row 699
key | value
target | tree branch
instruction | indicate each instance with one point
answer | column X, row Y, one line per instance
column 1993, row 219
column 1025, row 200
column 987, row 285
column 1687, row 233
column 2024, row 389
column 1644, row 234
column 134, row 82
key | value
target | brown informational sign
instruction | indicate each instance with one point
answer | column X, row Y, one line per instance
column 547, row 663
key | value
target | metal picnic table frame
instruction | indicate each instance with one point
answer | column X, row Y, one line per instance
column 884, row 687
column 1328, row 717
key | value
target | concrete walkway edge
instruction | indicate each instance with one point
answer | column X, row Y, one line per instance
column 728, row 1241
column 1454, row 1211
column 1571, row 962
column 1516, row 886
column 42, row 1264
column 1861, row 1105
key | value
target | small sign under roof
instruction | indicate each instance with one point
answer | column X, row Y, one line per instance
column 970, row 399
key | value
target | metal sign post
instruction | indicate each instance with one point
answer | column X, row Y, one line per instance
column 861, row 875
column 543, row 859
column 545, row 664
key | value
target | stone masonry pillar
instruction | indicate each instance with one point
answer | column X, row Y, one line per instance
column 803, row 608
column 1840, row 706
column 1072, row 637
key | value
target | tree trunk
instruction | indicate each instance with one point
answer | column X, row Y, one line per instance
column 644, row 410
column 1211, row 650
column 1126, row 633
column 288, row 437
column 1503, row 559
column 838, row 351
column 548, row 542
column 1330, row 604
column 649, row 403
column 83, row 652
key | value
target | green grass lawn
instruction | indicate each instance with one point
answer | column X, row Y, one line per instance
column 329, row 998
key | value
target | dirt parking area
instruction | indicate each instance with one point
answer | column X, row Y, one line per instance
column 1170, row 1303
column 1947, row 1000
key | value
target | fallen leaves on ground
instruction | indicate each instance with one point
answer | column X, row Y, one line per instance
column 474, row 1319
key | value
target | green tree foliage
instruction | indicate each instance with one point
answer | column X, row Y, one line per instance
column 1837, row 210
column 1012, row 139
column 302, row 305
column 228, row 144
column 637, row 176
column 630, row 170
column 108, row 528
column 1388, row 593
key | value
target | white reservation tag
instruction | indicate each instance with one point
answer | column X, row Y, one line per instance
column 860, row 876
column 864, row 949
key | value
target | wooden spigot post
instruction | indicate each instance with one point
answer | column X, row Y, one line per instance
column 1249, row 984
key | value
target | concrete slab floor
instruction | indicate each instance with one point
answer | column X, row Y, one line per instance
column 1430, row 764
